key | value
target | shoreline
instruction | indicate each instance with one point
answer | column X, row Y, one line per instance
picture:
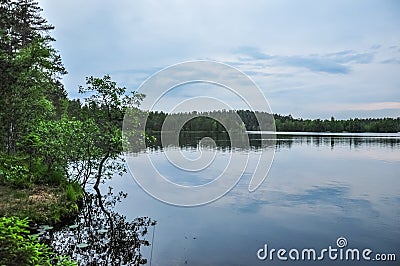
column 41, row 204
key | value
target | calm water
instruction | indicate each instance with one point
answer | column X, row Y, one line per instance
column 319, row 188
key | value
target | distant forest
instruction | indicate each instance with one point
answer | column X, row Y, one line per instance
column 203, row 122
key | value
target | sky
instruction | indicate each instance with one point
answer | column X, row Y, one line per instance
column 311, row 59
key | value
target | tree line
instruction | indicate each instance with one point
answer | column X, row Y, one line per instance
column 356, row 125
column 215, row 121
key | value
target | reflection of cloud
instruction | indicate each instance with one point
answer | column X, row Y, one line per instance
column 365, row 154
column 317, row 181
column 335, row 63
column 328, row 195
column 332, row 199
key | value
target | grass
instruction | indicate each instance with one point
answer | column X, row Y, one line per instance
column 43, row 204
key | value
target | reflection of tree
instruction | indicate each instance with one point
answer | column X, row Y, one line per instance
column 223, row 140
column 286, row 141
column 102, row 236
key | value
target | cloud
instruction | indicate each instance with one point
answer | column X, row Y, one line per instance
column 316, row 64
column 391, row 61
column 253, row 53
column 376, row 46
column 334, row 63
column 365, row 106
column 299, row 53
column 350, row 56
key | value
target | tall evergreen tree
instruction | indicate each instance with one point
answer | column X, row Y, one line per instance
column 30, row 69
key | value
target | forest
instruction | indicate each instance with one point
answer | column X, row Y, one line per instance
column 286, row 123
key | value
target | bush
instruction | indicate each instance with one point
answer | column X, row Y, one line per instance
column 18, row 247
column 54, row 177
column 14, row 173
column 73, row 192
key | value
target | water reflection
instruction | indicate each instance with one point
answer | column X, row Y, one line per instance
column 282, row 140
column 286, row 141
column 223, row 140
column 319, row 188
column 102, row 236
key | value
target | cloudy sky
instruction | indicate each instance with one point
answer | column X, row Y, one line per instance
column 311, row 59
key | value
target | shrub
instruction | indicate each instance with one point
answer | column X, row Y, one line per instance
column 18, row 247
column 14, row 173
column 73, row 192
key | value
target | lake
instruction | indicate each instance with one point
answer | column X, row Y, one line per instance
column 320, row 187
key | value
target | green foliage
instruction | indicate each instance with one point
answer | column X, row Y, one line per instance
column 73, row 192
column 13, row 172
column 106, row 106
column 18, row 247
column 67, row 148
column 54, row 177
column 30, row 69
column 23, row 172
column 30, row 144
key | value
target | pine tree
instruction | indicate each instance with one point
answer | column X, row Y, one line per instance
column 30, row 69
